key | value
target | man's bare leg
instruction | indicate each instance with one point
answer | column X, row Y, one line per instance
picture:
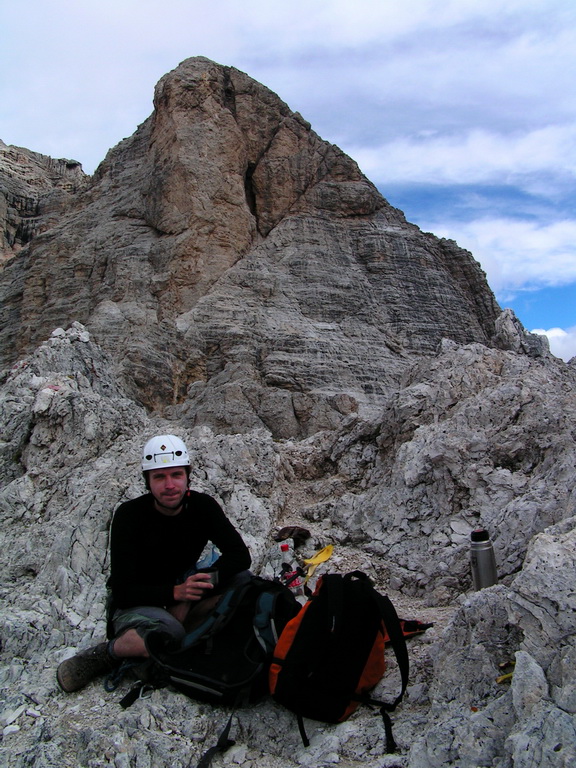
column 129, row 644
column 180, row 610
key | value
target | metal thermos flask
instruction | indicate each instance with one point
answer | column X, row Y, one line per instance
column 482, row 559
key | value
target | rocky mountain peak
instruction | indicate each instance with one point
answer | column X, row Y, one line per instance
column 225, row 251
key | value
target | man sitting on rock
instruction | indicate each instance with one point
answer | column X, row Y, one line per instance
column 155, row 543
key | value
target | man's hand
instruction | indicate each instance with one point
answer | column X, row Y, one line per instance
column 193, row 588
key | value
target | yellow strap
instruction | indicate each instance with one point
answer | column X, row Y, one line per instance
column 314, row 562
column 321, row 556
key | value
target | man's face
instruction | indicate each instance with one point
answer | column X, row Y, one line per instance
column 168, row 486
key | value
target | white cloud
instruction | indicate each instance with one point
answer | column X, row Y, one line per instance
column 516, row 253
column 360, row 72
column 562, row 342
column 474, row 157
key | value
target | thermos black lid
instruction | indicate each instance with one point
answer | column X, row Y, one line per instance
column 479, row 535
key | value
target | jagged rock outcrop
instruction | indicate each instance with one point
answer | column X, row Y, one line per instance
column 475, row 436
column 239, row 271
column 228, row 276
column 34, row 190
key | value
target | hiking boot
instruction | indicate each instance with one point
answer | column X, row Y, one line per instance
column 78, row 671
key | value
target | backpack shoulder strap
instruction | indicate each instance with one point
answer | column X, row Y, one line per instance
column 397, row 640
column 393, row 629
column 265, row 620
column 396, row 636
column 223, row 743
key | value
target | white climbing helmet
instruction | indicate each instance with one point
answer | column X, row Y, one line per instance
column 164, row 451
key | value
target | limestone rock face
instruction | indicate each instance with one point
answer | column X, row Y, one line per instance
column 239, row 271
column 475, row 436
column 228, row 277
column 524, row 634
column 33, row 191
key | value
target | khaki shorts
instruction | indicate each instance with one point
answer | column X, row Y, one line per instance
column 145, row 619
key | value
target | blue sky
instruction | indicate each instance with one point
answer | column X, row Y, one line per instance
column 462, row 112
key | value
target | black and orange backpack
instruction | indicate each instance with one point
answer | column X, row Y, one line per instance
column 330, row 656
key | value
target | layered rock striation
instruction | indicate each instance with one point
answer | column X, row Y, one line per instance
column 34, row 190
column 225, row 254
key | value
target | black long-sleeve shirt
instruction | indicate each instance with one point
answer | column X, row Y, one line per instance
column 151, row 552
